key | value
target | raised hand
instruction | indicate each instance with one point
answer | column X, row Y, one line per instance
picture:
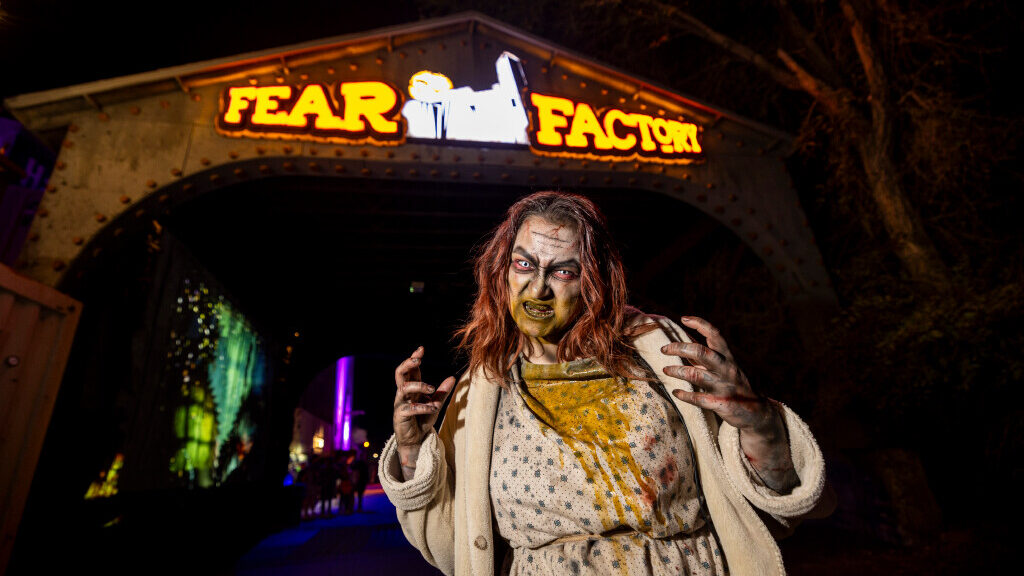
column 720, row 386
column 417, row 405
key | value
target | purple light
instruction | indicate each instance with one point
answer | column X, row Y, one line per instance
column 343, row 407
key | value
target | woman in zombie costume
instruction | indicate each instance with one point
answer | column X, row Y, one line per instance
column 587, row 437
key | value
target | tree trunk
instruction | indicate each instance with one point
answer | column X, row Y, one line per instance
column 911, row 243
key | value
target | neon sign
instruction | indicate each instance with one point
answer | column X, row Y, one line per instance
column 506, row 113
column 574, row 128
column 439, row 112
column 358, row 112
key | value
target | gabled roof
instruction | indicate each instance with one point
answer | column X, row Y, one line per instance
column 29, row 108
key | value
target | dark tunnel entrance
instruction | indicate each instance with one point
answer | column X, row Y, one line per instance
column 320, row 269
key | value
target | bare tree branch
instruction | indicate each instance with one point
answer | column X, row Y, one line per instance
column 693, row 25
column 835, row 101
column 873, row 71
column 815, row 55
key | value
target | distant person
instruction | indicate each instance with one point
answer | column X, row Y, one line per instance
column 360, row 477
column 310, row 490
column 328, row 477
column 346, row 487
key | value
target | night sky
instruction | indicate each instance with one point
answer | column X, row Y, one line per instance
column 47, row 44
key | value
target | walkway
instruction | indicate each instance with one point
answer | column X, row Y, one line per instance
column 366, row 543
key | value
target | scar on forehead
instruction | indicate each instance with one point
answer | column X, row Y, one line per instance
column 551, row 238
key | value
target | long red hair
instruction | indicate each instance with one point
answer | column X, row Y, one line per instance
column 602, row 329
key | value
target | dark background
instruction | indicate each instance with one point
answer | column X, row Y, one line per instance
column 926, row 381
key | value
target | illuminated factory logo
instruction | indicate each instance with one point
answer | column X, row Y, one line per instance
column 438, row 111
column 506, row 113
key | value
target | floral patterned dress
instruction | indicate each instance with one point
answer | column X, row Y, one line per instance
column 593, row 474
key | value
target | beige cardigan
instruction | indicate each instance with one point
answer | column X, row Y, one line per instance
column 445, row 509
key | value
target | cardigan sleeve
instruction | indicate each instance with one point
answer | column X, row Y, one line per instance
column 806, row 500
column 425, row 504
column 807, row 461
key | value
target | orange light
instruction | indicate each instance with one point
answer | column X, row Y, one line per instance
column 562, row 127
column 366, row 444
column 354, row 112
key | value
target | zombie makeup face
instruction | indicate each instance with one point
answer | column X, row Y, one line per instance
column 544, row 280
